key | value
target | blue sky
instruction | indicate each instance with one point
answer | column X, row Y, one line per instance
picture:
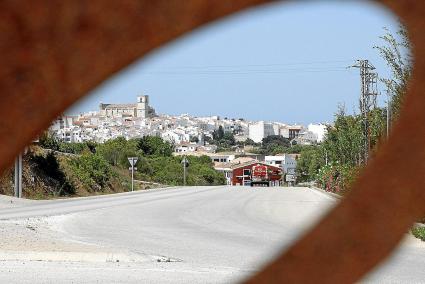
column 280, row 62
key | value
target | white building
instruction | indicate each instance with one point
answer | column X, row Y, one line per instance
column 222, row 158
column 186, row 147
column 319, row 129
column 288, row 162
column 227, row 167
column 62, row 122
column 274, row 160
column 226, row 170
column 140, row 109
column 306, row 138
column 69, row 135
column 260, row 130
column 289, row 165
column 175, row 136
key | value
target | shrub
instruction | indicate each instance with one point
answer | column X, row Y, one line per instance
column 155, row 146
column 73, row 148
column 336, row 178
column 419, row 232
column 48, row 141
column 92, row 170
column 169, row 170
column 116, row 151
column 49, row 167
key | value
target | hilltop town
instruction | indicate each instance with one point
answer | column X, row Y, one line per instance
column 187, row 133
column 230, row 143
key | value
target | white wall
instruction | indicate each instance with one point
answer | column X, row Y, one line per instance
column 260, row 130
column 289, row 165
column 319, row 129
column 274, row 160
column 256, row 132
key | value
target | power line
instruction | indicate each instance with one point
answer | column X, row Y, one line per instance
column 248, row 71
column 260, row 65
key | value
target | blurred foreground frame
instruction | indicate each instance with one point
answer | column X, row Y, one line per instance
column 54, row 52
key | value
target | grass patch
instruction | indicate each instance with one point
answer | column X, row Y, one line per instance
column 419, row 232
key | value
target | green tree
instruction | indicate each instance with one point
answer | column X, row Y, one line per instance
column 229, row 138
column 48, row 141
column 274, row 144
column 397, row 54
column 377, row 126
column 250, row 142
column 295, row 149
column 169, row 170
column 312, row 158
column 223, row 140
column 91, row 146
column 218, row 134
column 92, row 170
column 116, row 151
column 73, row 148
column 155, row 146
column 194, row 139
column 344, row 141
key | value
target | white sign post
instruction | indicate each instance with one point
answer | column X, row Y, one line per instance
column 290, row 179
column 185, row 163
column 133, row 161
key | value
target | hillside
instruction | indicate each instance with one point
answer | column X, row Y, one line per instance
column 55, row 169
column 50, row 174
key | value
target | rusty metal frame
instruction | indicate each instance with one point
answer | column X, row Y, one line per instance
column 54, row 52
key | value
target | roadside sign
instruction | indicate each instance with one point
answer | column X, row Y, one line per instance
column 132, row 160
column 290, row 178
column 185, row 162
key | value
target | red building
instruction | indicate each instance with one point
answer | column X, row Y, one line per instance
column 241, row 174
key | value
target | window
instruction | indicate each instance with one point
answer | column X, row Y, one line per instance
column 246, row 172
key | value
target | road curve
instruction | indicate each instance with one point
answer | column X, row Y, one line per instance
column 186, row 235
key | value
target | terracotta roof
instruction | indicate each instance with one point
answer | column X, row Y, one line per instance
column 236, row 166
column 221, row 165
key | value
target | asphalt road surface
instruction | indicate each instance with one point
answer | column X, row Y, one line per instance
column 177, row 235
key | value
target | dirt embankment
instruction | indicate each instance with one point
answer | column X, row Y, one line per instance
column 48, row 175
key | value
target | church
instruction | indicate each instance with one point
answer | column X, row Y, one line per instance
column 140, row 109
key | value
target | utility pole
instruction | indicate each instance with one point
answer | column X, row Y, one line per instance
column 369, row 92
column 132, row 161
column 18, row 176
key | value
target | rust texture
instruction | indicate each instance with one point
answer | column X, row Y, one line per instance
column 54, row 52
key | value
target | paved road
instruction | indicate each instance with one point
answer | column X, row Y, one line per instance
column 181, row 235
